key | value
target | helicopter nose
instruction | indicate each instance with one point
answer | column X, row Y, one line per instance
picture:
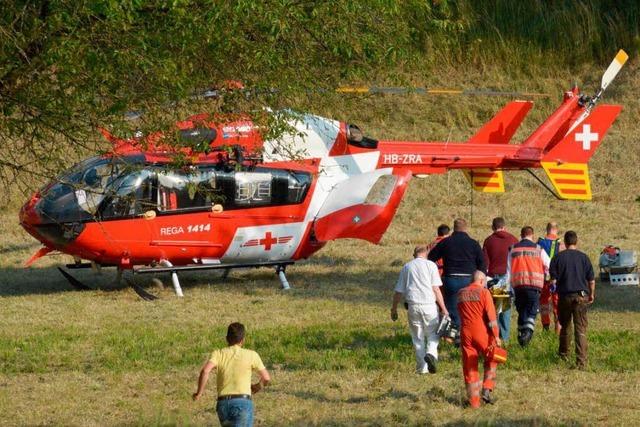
column 42, row 224
column 28, row 216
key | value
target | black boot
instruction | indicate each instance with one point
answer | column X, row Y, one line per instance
column 487, row 397
column 524, row 336
column 432, row 363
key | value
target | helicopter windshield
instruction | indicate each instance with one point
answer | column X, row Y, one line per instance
column 77, row 193
column 88, row 180
column 128, row 195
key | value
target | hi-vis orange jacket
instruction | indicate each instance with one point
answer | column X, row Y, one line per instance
column 527, row 266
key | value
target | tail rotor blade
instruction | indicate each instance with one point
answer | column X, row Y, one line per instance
column 614, row 69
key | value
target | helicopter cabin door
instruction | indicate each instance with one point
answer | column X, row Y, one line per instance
column 183, row 227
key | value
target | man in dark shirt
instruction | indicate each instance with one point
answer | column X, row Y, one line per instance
column 462, row 256
column 572, row 273
column 496, row 251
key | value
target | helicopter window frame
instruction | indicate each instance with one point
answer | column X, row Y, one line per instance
column 216, row 184
column 258, row 187
column 88, row 180
column 143, row 177
column 357, row 138
column 79, row 193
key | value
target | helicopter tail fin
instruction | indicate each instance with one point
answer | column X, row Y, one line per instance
column 501, row 128
column 485, row 180
column 566, row 163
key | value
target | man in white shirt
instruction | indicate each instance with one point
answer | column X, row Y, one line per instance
column 420, row 283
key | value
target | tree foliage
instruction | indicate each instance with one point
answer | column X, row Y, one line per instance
column 67, row 66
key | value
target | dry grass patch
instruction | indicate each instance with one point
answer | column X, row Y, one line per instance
column 107, row 358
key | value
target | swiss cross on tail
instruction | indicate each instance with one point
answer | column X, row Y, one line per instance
column 566, row 163
column 583, row 139
column 586, row 137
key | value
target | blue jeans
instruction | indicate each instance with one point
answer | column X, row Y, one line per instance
column 452, row 284
column 504, row 324
column 504, row 318
column 235, row 412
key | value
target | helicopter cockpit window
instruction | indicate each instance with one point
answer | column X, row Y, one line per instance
column 89, row 179
column 356, row 137
column 253, row 189
column 194, row 190
column 129, row 195
column 287, row 187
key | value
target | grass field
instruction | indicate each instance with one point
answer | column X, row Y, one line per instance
column 108, row 358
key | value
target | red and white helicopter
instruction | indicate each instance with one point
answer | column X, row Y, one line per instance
column 252, row 206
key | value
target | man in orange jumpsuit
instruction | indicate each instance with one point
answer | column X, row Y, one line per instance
column 479, row 329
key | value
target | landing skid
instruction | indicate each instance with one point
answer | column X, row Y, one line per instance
column 140, row 291
column 167, row 267
column 75, row 282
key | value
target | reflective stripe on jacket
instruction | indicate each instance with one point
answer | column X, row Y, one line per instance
column 527, row 268
column 550, row 246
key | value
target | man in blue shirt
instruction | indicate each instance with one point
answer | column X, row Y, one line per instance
column 462, row 256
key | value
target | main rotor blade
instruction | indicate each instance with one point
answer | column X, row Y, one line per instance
column 614, row 69
column 248, row 92
column 426, row 91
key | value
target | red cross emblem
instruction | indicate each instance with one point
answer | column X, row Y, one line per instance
column 267, row 241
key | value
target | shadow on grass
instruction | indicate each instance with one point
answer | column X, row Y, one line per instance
column 518, row 422
column 48, row 280
column 616, row 298
column 322, row 398
column 373, row 286
column 17, row 247
column 337, row 282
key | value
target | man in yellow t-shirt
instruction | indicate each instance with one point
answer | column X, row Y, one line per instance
column 234, row 367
